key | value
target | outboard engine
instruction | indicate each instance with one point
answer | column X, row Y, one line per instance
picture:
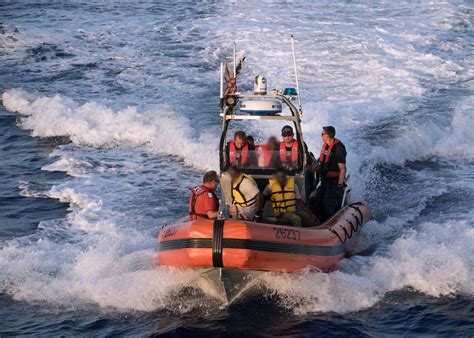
column 260, row 85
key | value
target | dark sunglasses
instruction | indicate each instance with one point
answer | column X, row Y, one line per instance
column 287, row 134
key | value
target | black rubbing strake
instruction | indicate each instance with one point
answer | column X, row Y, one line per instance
column 218, row 233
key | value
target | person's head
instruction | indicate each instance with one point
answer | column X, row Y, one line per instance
column 287, row 134
column 211, row 179
column 272, row 143
column 234, row 172
column 250, row 140
column 328, row 133
column 240, row 139
column 281, row 176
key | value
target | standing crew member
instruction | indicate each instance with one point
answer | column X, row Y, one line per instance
column 288, row 206
column 203, row 202
column 238, row 150
column 332, row 169
column 246, row 197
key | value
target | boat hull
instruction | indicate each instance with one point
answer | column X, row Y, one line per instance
column 247, row 245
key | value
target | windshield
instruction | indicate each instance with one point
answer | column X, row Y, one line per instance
column 264, row 159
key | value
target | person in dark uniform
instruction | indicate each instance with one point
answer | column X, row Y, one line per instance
column 331, row 168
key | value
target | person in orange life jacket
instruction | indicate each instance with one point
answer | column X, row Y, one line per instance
column 203, row 202
column 289, row 156
column 268, row 154
column 331, row 167
column 237, row 150
column 289, row 152
column 288, row 206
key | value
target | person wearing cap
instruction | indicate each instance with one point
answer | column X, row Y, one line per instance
column 203, row 202
column 331, row 167
column 289, row 149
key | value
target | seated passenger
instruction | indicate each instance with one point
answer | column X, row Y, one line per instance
column 288, row 207
column 268, row 153
column 238, row 150
column 250, row 141
column 246, row 197
column 203, row 202
column 289, row 150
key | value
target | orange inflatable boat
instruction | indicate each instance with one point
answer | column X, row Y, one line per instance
column 229, row 250
column 256, row 246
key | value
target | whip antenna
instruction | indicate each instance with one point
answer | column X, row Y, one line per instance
column 235, row 61
column 221, row 85
column 296, row 74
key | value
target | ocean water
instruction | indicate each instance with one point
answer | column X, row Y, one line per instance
column 109, row 114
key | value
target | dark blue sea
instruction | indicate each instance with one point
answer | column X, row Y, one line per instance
column 109, row 114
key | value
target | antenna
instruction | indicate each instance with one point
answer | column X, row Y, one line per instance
column 235, row 62
column 221, row 94
column 296, row 74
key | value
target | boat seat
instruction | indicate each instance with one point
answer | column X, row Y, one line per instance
column 226, row 188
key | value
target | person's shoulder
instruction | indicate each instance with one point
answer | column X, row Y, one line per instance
column 340, row 145
column 249, row 180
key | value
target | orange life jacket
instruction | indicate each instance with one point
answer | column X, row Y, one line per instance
column 264, row 156
column 330, row 169
column 195, row 193
column 294, row 153
column 244, row 152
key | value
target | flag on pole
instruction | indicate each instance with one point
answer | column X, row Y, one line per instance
column 230, row 78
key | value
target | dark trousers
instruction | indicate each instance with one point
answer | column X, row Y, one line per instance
column 328, row 200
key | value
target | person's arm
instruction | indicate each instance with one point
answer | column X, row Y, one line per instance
column 342, row 173
column 267, row 192
column 302, row 206
column 259, row 202
column 212, row 214
column 340, row 153
column 309, row 158
column 211, row 206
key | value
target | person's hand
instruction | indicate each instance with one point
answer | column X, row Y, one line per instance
column 257, row 218
column 314, row 219
column 317, row 168
column 233, row 209
column 340, row 190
